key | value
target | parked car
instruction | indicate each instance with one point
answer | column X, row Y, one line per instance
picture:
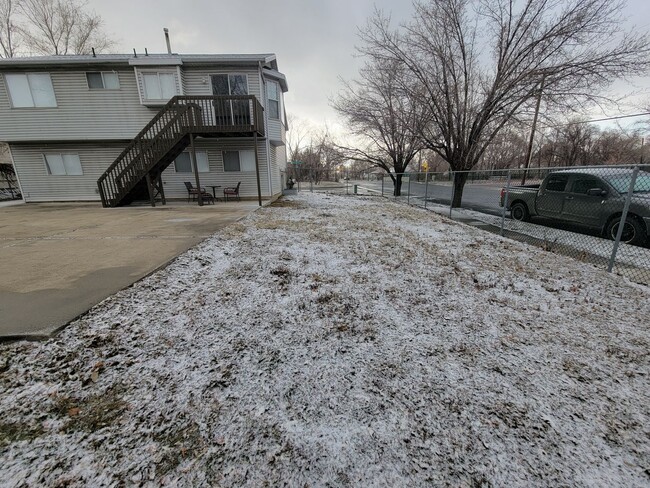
column 592, row 197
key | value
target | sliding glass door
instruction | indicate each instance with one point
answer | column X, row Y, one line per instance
column 231, row 112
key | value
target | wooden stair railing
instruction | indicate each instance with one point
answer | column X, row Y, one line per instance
column 168, row 133
column 142, row 154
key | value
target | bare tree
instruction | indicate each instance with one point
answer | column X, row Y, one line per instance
column 313, row 153
column 507, row 150
column 296, row 136
column 574, row 144
column 62, row 27
column 8, row 28
column 618, row 147
column 383, row 117
column 480, row 63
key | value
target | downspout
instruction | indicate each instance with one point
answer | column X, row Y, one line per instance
column 266, row 130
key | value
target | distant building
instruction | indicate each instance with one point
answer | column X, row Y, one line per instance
column 69, row 119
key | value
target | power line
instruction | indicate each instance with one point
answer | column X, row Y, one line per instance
column 644, row 114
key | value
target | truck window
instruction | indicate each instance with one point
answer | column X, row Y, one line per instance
column 581, row 184
column 622, row 182
column 557, row 182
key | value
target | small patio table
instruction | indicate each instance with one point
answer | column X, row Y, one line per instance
column 214, row 191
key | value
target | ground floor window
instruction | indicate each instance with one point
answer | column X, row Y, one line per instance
column 242, row 160
column 63, row 164
column 183, row 163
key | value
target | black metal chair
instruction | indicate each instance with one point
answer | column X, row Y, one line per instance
column 193, row 193
column 232, row 191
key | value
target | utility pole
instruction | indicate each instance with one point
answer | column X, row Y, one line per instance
column 642, row 144
column 529, row 152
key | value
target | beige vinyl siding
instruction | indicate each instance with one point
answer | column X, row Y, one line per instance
column 275, row 130
column 274, row 170
column 174, row 182
column 197, row 80
column 278, row 167
column 281, row 164
column 183, row 80
column 39, row 186
column 81, row 113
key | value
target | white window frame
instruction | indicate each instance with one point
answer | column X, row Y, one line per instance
column 240, row 151
column 279, row 99
column 102, row 73
column 144, row 96
column 202, row 168
column 63, row 156
column 33, row 105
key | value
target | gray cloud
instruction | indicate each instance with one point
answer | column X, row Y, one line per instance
column 314, row 40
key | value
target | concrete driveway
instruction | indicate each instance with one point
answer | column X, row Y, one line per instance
column 58, row 260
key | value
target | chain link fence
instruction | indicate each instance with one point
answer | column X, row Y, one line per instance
column 342, row 186
column 599, row 215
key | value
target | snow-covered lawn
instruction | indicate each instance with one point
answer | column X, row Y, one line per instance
column 340, row 341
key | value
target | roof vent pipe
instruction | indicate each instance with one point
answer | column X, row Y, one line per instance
column 93, row 49
column 169, row 46
column 135, row 55
column 146, row 53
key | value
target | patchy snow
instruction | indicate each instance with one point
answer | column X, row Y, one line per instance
column 339, row 341
column 635, row 258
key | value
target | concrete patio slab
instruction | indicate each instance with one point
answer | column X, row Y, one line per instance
column 58, row 260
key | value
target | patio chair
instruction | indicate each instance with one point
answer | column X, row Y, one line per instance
column 193, row 193
column 232, row 191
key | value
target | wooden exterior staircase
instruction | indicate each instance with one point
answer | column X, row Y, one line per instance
column 137, row 170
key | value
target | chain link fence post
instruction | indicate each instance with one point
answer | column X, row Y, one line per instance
column 621, row 223
column 453, row 191
column 408, row 191
column 505, row 203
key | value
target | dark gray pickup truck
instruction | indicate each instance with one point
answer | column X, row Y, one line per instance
column 592, row 197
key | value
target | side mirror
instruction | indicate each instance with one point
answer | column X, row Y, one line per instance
column 596, row 192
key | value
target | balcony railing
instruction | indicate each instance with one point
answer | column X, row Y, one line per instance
column 226, row 114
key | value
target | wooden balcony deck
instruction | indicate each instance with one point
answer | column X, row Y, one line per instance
column 225, row 116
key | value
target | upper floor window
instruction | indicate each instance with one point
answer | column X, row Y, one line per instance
column 104, row 80
column 183, row 163
column 273, row 95
column 30, row 90
column 63, row 164
column 159, row 86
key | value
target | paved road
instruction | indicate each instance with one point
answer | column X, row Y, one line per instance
column 482, row 198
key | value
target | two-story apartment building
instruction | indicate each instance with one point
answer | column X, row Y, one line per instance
column 69, row 119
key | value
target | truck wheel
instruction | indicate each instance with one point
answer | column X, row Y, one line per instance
column 633, row 231
column 519, row 211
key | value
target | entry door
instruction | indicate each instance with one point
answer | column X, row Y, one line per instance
column 580, row 207
column 550, row 199
column 231, row 112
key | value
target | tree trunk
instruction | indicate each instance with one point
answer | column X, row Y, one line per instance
column 460, row 178
column 397, row 185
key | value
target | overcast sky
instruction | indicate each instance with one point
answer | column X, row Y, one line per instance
column 314, row 39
